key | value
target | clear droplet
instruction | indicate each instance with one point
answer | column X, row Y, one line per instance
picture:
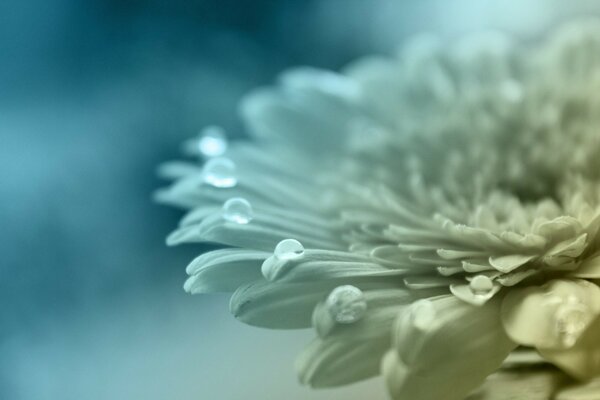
column 219, row 172
column 571, row 319
column 422, row 314
column 481, row 285
column 212, row 141
column 237, row 210
column 289, row 249
column 346, row 304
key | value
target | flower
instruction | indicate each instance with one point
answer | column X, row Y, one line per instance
column 434, row 216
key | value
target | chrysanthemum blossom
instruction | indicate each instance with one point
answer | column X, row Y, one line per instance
column 434, row 216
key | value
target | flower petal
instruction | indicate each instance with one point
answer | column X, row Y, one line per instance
column 551, row 316
column 383, row 305
column 319, row 265
column 511, row 262
column 581, row 361
column 286, row 305
column 335, row 362
column 446, row 354
column 223, row 270
column 589, row 268
column 263, row 232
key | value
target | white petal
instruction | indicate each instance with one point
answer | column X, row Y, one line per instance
column 223, row 270
column 450, row 355
column 510, row 262
column 333, row 362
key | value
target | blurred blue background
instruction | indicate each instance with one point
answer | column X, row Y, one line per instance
column 95, row 94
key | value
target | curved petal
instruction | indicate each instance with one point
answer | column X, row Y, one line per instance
column 550, row 316
column 318, row 265
column 286, row 305
column 336, row 362
column 445, row 349
column 263, row 232
column 582, row 361
column 383, row 306
column 307, row 120
column 223, row 270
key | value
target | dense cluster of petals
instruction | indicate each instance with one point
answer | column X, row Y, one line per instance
column 434, row 216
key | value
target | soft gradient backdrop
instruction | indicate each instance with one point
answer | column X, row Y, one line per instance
column 93, row 95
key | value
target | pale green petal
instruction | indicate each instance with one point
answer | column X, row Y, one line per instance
column 319, row 265
column 223, row 270
column 383, row 306
column 532, row 316
column 582, row 360
column 319, row 81
column 286, row 305
column 263, row 232
column 270, row 187
column 447, row 354
column 333, row 362
column 510, row 262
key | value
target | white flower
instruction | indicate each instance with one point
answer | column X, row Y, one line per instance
column 439, row 212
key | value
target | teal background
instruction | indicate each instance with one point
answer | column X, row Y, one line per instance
column 93, row 95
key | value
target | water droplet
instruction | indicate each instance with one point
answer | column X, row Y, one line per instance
column 422, row 314
column 219, row 172
column 237, row 210
column 481, row 285
column 571, row 319
column 289, row 249
column 346, row 304
column 212, row 141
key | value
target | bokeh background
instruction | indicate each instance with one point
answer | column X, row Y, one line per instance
column 93, row 95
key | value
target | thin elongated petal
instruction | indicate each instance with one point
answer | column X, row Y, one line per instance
column 285, row 305
column 263, row 232
column 383, row 306
column 223, row 270
column 333, row 362
column 510, row 263
column 318, row 265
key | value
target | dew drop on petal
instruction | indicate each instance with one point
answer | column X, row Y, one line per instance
column 481, row 285
column 212, row 141
column 346, row 304
column 422, row 314
column 289, row 249
column 219, row 172
column 237, row 210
